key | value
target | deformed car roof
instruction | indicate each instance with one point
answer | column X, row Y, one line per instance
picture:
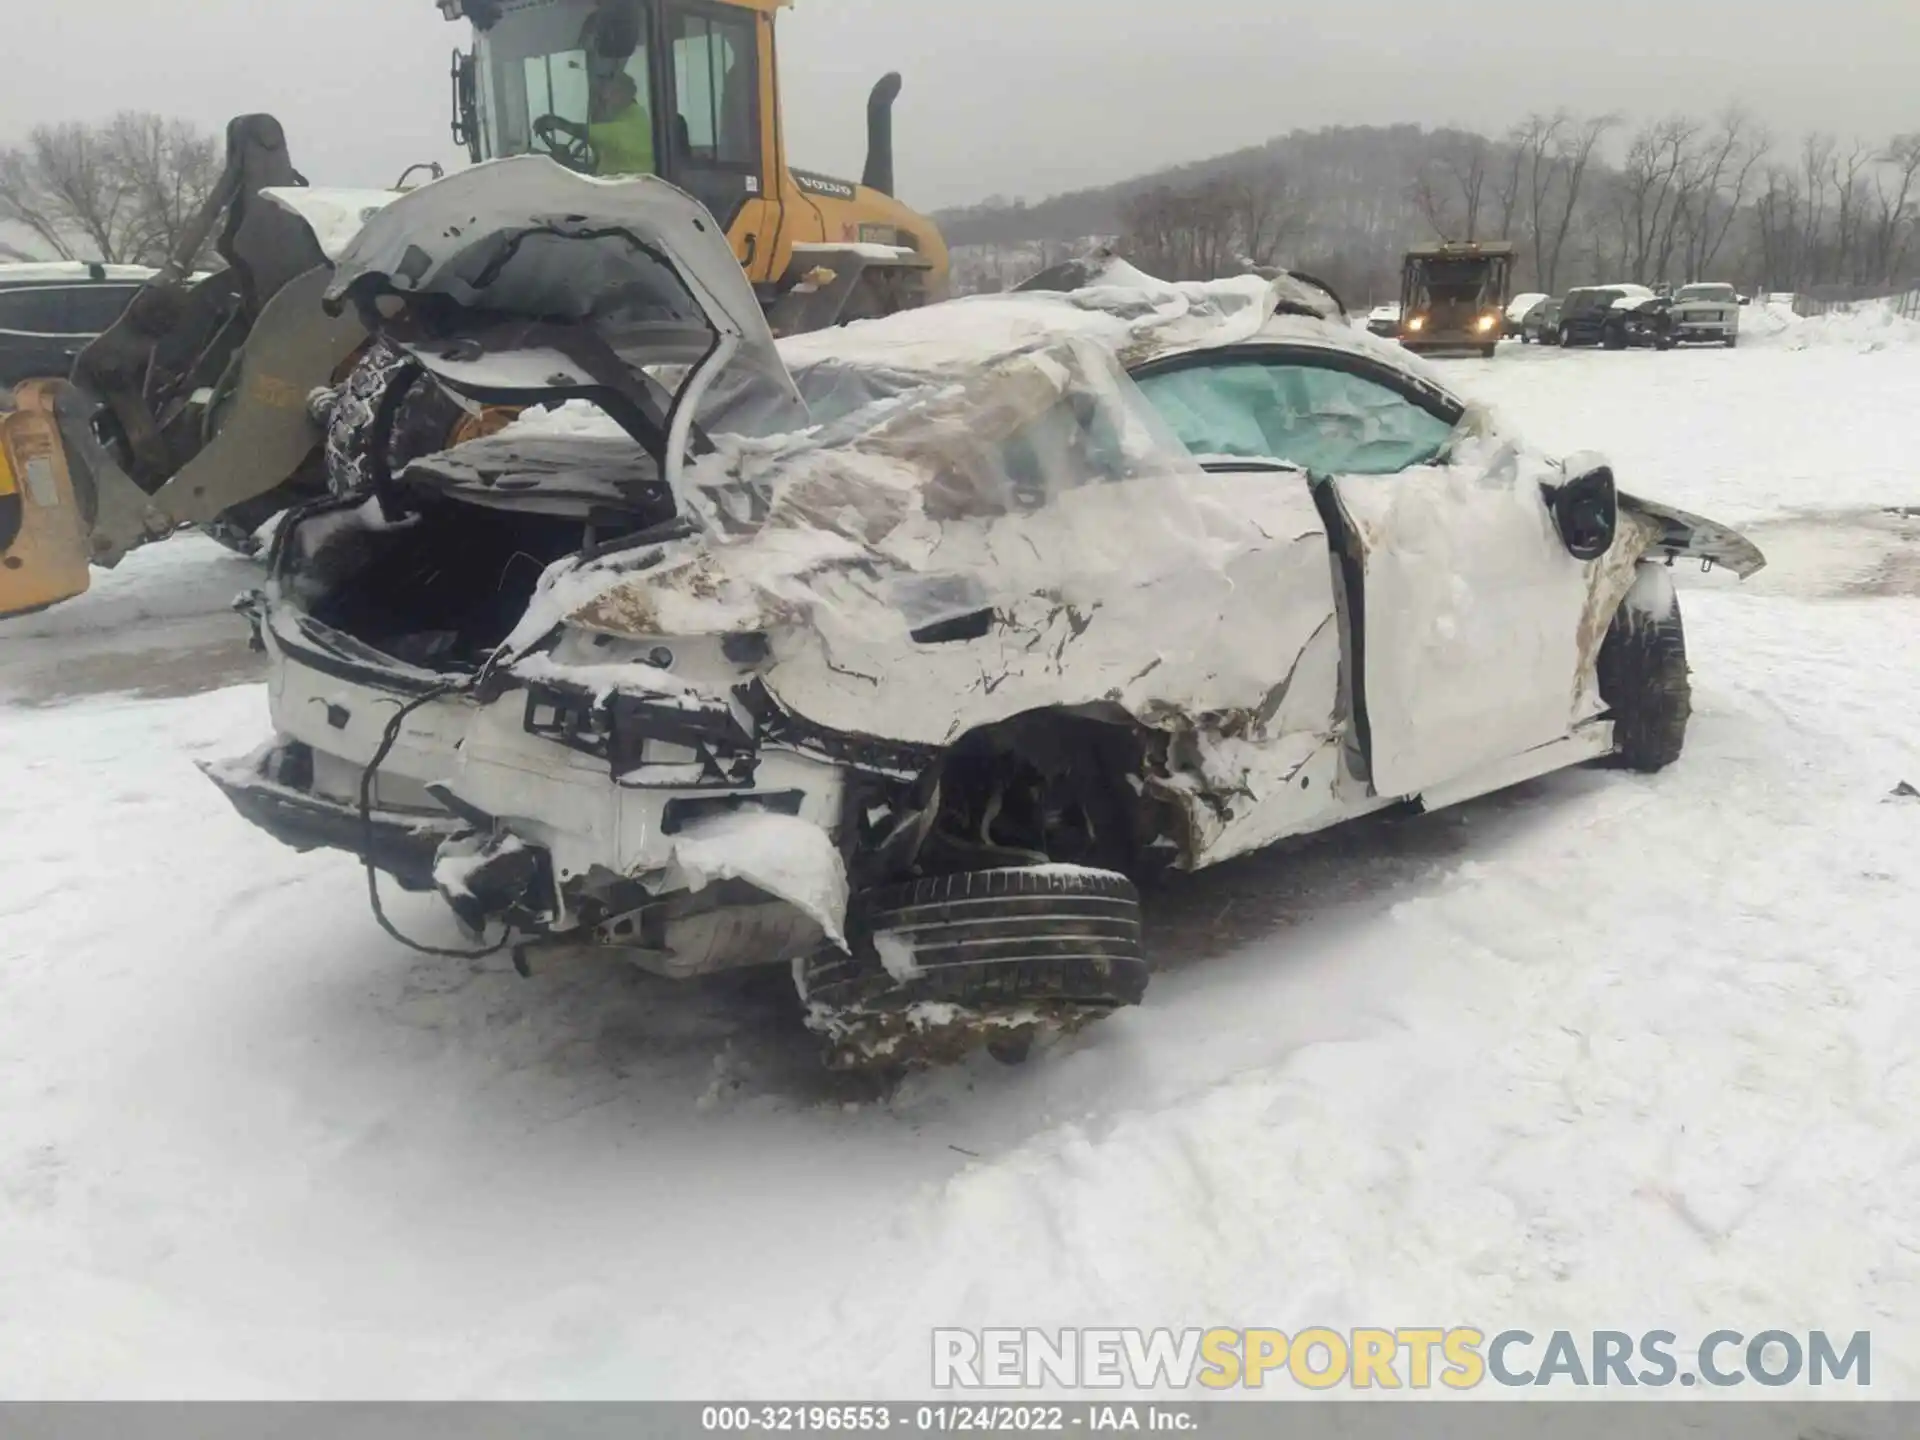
column 939, row 436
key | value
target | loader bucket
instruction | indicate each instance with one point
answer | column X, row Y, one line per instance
column 43, row 535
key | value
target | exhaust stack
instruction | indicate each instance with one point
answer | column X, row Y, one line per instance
column 879, row 173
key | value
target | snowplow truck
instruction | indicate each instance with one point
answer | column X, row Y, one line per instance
column 220, row 399
column 1453, row 297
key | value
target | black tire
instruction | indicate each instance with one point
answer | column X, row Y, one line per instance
column 425, row 416
column 1647, row 687
column 992, row 937
column 1010, row 951
column 1733, row 342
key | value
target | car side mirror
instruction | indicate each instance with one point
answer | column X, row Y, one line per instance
column 1586, row 509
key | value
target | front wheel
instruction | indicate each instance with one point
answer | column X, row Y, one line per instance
column 939, row 967
column 1644, row 679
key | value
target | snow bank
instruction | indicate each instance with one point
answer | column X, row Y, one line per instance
column 1870, row 325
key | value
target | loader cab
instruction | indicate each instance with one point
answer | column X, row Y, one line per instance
column 675, row 88
column 688, row 90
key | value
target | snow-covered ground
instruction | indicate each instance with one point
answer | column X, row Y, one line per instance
column 1605, row 1051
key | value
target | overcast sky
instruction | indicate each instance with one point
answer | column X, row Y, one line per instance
column 1014, row 97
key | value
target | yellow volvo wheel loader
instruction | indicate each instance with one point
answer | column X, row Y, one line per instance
column 219, row 400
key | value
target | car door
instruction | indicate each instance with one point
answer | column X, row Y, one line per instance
column 1463, row 606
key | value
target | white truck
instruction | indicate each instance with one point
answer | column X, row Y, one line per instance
column 1705, row 313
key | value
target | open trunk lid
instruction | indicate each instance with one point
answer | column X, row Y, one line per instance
column 520, row 282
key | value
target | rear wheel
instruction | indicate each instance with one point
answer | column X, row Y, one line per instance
column 1644, row 678
column 943, row 966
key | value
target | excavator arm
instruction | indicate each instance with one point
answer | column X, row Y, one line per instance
column 196, row 404
column 197, row 399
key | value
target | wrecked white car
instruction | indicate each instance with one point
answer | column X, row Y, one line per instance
column 901, row 654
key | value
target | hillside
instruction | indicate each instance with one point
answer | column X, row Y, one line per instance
column 1351, row 209
column 1585, row 199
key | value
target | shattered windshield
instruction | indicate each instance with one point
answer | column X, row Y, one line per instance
column 1326, row 421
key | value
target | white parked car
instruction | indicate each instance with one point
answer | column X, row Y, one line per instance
column 1521, row 306
column 1384, row 320
column 900, row 654
column 1705, row 313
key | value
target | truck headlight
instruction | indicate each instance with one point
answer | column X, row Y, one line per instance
column 1418, row 322
column 1486, row 323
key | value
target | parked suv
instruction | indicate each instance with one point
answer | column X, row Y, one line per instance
column 1596, row 314
column 48, row 312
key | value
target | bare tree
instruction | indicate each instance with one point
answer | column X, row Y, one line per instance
column 166, row 168
column 1894, row 220
column 1724, row 174
column 1573, row 149
column 1267, row 214
column 120, row 192
column 1646, row 195
column 1450, row 184
column 1536, row 141
column 1816, row 175
column 1217, row 228
column 1509, row 180
column 1778, row 229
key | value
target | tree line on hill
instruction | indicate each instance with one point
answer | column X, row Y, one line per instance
column 1584, row 199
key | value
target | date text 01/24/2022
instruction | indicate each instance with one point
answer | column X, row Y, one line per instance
column 962, row 1419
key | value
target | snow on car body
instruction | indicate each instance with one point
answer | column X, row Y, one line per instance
column 891, row 652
